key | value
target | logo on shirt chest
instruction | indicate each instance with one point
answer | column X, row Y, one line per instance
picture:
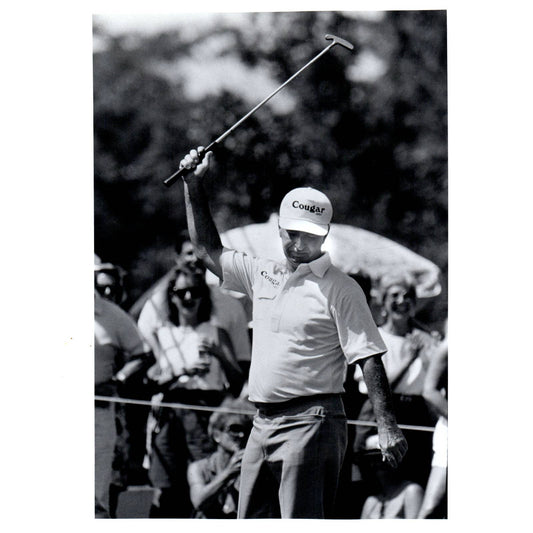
column 270, row 279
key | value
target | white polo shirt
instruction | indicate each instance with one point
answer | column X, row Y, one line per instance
column 307, row 325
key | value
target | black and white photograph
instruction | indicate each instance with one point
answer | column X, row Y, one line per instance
column 271, row 255
column 248, row 234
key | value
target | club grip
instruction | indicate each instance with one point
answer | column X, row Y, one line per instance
column 172, row 179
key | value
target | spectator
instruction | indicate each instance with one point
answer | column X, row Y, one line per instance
column 130, row 420
column 227, row 313
column 409, row 351
column 395, row 497
column 435, row 386
column 118, row 350
column 195, row 366
column 109, row 281
column 214, row 480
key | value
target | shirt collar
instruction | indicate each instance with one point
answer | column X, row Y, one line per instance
column 319, row 266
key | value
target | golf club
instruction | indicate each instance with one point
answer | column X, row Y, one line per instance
column 334, row 40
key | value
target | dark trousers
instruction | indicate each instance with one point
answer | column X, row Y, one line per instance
column 293, row 459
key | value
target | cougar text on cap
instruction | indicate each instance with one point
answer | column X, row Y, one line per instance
column 306, row 209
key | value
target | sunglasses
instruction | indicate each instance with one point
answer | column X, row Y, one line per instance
column 404, row 294
column 194, row 292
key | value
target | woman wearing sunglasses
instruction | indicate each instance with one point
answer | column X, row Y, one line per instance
column 196, row 365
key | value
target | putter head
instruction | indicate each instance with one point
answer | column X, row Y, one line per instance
column 338, row 40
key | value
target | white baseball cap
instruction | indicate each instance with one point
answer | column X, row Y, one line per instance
column 306, row 209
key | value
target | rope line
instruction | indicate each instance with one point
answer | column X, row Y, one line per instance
column 152, row 403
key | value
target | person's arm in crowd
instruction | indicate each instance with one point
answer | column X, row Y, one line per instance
column 136, row 354
column 135, row 366
column 436, row 369
column 147, row 324
column 391, row 440
column 131, row 376
column 204, row 495
column 202, row 230
column 368, row 506
column 414, row 495
column 435, row 491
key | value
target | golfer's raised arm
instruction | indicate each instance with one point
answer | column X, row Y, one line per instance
column 202, row 230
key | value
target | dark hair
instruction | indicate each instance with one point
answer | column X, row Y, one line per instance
column 206, row 305
column 401, row 279
column 219, row 419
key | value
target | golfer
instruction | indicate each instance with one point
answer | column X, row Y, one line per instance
column 309, row 321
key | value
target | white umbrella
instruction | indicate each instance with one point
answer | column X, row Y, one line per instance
column 351, row 249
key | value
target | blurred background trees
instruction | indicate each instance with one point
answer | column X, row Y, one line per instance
column 368, row 128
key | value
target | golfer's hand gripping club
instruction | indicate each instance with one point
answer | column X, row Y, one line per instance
column 195, row 162
column 334, row 40
column 183, row 170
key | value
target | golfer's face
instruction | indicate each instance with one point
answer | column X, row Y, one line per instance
column 300, row 247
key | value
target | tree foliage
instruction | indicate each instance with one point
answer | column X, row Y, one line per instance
column 376, row 146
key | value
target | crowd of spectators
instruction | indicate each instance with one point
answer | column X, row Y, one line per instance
column 186, row 342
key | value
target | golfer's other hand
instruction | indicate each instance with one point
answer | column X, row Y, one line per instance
column 393, row 445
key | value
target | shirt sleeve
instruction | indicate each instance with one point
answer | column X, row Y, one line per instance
column 238, row 271
column 129, row 336
column 358, row 334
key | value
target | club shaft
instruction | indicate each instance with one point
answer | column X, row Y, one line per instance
column 265, row 100
column 169, row 181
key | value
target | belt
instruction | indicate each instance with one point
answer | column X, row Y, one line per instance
column 274, row 407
